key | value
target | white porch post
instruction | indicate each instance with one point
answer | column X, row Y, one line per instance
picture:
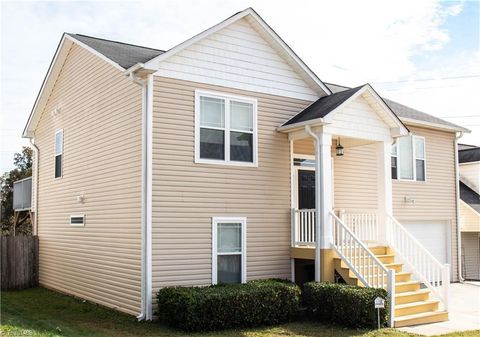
column 323, row 196
column 384, row 187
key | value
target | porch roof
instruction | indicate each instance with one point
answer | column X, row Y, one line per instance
column 470, row 197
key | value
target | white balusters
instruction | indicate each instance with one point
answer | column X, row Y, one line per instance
column 303, row 226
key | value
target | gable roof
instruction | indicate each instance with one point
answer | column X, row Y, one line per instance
column 405, row 112
column 323, row 106
column 469, row 155
column 263, row 28
column 470, row 197
column 124, row 54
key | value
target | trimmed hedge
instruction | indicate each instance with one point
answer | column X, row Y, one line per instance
column 256, row 303
column 343, row 304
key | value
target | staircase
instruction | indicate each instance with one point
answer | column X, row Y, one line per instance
column 414, row 304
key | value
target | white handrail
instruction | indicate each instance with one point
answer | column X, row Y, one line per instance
column 362, row 262
column 426, row 268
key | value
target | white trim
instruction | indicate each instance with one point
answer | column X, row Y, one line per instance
column 149, row 206
column 414, row 159
column 96, row 53
column 432, row 125
column 77, row 216
column 153, row 63
column 55, row 154
column 243, row 222
column 227, row 98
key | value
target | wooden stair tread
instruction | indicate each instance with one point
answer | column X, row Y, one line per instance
column 415, row 304
column 406, row 282
column 421, row 315
column 410, row 293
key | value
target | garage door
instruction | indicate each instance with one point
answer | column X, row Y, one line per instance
column 433, row 236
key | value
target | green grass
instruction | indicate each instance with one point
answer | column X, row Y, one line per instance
column 43, row 313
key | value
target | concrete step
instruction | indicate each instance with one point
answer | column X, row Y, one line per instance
column 416, row 307
column 412, row 296
column 421, row 318
column 401, row 287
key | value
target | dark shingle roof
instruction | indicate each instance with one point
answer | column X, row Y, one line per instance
column 124, row 54
column 466, row 146
column 324, row 105
column 470, row 197
column 401, row 110
column 469, row 155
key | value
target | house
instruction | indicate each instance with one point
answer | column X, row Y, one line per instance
column 226, row 159
column 469, row 171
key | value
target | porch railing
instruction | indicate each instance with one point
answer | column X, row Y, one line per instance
column 303, row 227
column 362, row 262
column 424, row 266
column 363, row 224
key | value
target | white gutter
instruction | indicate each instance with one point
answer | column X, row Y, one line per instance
column 457, row 210
column 318, row 202
column 36, row 154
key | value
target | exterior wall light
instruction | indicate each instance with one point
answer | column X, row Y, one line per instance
column 339, row 149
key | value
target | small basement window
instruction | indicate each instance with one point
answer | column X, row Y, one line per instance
column 77, row 220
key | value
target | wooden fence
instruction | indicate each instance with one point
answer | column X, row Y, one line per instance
column 19, row 262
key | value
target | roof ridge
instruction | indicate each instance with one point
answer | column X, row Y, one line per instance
column 114, row 41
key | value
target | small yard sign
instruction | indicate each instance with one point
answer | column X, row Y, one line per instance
column 379, row 303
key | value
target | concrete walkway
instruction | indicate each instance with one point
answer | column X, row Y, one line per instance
column 464, row 312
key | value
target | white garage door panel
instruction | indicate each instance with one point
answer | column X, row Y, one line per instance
column 433, row 236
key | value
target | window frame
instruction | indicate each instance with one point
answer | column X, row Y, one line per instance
column 414, row 159
column 243, row 259
column 55, row 154
column 77, row 216
column 227, row 129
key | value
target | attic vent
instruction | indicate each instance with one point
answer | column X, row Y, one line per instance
column 77, row 220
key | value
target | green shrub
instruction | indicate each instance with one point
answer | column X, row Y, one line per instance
column 224, row 306
column 344, row 304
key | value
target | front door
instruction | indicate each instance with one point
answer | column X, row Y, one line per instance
column 306, row 189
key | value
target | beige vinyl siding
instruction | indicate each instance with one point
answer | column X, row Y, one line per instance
column 471, row 255
column 469, row 219
column 354, row 178
column 100, row 114
column 470, row 175
column 435, row 198
column 187, row 195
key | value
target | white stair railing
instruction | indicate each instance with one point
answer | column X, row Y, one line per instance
column 363, row 224
column 303, row 230
column 362, row 262
column 424, row 266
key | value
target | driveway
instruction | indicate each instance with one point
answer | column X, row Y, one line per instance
column 464, row 311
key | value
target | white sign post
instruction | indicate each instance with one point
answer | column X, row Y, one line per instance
column 379, row 304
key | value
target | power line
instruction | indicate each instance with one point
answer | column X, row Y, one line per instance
column 467, row 116
column 430, row 79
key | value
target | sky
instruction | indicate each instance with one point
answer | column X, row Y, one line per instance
column 423, row 53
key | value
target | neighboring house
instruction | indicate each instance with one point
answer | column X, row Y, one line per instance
column 198, row 165
column 469, row 170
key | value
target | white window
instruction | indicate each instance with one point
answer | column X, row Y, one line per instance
column 228, row 250
column 225, row 129
column 408, row 158
column 58, row 161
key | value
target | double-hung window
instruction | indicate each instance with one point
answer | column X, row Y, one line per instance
column 408, row 158
column 58, row 153
column 228, row 250
column 226, row 129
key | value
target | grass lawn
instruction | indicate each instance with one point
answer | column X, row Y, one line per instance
column 43, row 313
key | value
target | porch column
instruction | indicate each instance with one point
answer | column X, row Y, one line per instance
column 323, row 205
column 384, row 187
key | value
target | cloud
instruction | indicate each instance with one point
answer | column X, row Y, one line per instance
column 350, row 42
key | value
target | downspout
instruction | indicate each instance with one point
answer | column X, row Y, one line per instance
column 318, row 218
column 143, row 84
column 36, row 154
column 457, row 209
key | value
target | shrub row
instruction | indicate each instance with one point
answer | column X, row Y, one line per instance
column 343, row 304
column 255, row 303
column 267, row 302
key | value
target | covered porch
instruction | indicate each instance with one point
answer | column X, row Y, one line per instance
column 342, row 224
